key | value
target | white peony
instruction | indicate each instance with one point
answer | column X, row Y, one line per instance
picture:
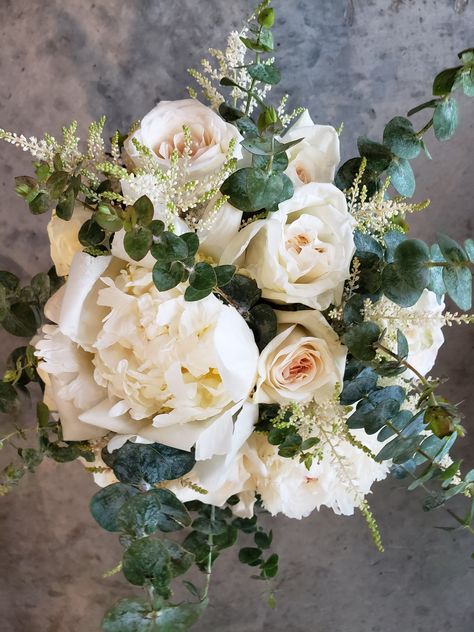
column 302, row 252
column 304, row 361
column 63, row 238
column 128, row 359
column 223, row 476
column 316, row 156
column 161, row 130
column 287, row 486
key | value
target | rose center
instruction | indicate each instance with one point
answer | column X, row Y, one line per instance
column 198, row 142
column 302, row 174
column 296, row 243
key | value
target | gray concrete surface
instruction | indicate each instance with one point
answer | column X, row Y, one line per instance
column 360, row 62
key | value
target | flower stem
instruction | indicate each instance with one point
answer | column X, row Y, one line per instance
column 210, row 542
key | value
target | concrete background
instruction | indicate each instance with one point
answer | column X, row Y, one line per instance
column 360, row 62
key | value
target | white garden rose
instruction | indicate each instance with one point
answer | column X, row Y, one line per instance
column 64, row 240
column 287, row 486
column 305, row 361
column 424, row 334
column 316, row 156
column 215, row 230
column 161, row 131
column 128, row 359
column 422, row 325
column 302, row 252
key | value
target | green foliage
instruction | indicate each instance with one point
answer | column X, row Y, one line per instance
column 252, row 189
column 139, row 615
column 361, row 339
column 136, row 463
column 401, row 143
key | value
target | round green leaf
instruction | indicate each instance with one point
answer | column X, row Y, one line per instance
column 56, row 183
column 137, row 242
column 144, row 210
column 400, row 136
column 192, row 242
column 167, row 276
column 9, row 280
column 91, row 234
column 147, row 561
column 169, row 248
column 451, row 250
column 378, row 156
column 21, row 320
column 252, row 189
column 224, row 274
column 106, row 504
column 139, row 515
column 402, row 289
column 268, row 73
column 40, row 203
column 65, row 205
column 173, row 514
column 108, row 219
column 203, row 277
column 360, row 340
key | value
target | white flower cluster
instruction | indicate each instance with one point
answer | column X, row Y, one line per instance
column 123, row 361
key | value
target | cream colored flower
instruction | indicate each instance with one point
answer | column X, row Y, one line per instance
column 302, row 252
column 63, row 238
column 131, row 360
column 161, row 130
column 304, row 361
column 316, row 156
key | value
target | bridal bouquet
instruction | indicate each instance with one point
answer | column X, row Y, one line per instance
column 233, row 326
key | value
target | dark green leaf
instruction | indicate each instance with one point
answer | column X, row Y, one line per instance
column 152, row 463
column 360, row 340
column 348, row 172
column 9, row 280
column 263, row 322
column 65, row 205
column 173, row 515
column 436, row 284
column 191, row 294
column 157, row 227
column 167, row 276
column 139, row 515
column 203, row 277
column 40, row 203
column 57, row 183
column 444, row 81
column 181, row 560
column 358, row 387
column 106, row 504
column 250, row 555
column 41, row 287
column 91, row 234
column 243, row 291
column 148, row 561
column 26, row 187
column 378, row 156
column 468, row 247
column 192, row 243
column 21, row 320
column 137, row 242
column 170, row 248
column 144, row 210
column 224, row 274
column 107, row 218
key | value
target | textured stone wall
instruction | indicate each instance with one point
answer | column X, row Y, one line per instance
column 358, row 61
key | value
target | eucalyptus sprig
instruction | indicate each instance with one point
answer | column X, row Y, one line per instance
column 402, row 143
column 262, row 186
